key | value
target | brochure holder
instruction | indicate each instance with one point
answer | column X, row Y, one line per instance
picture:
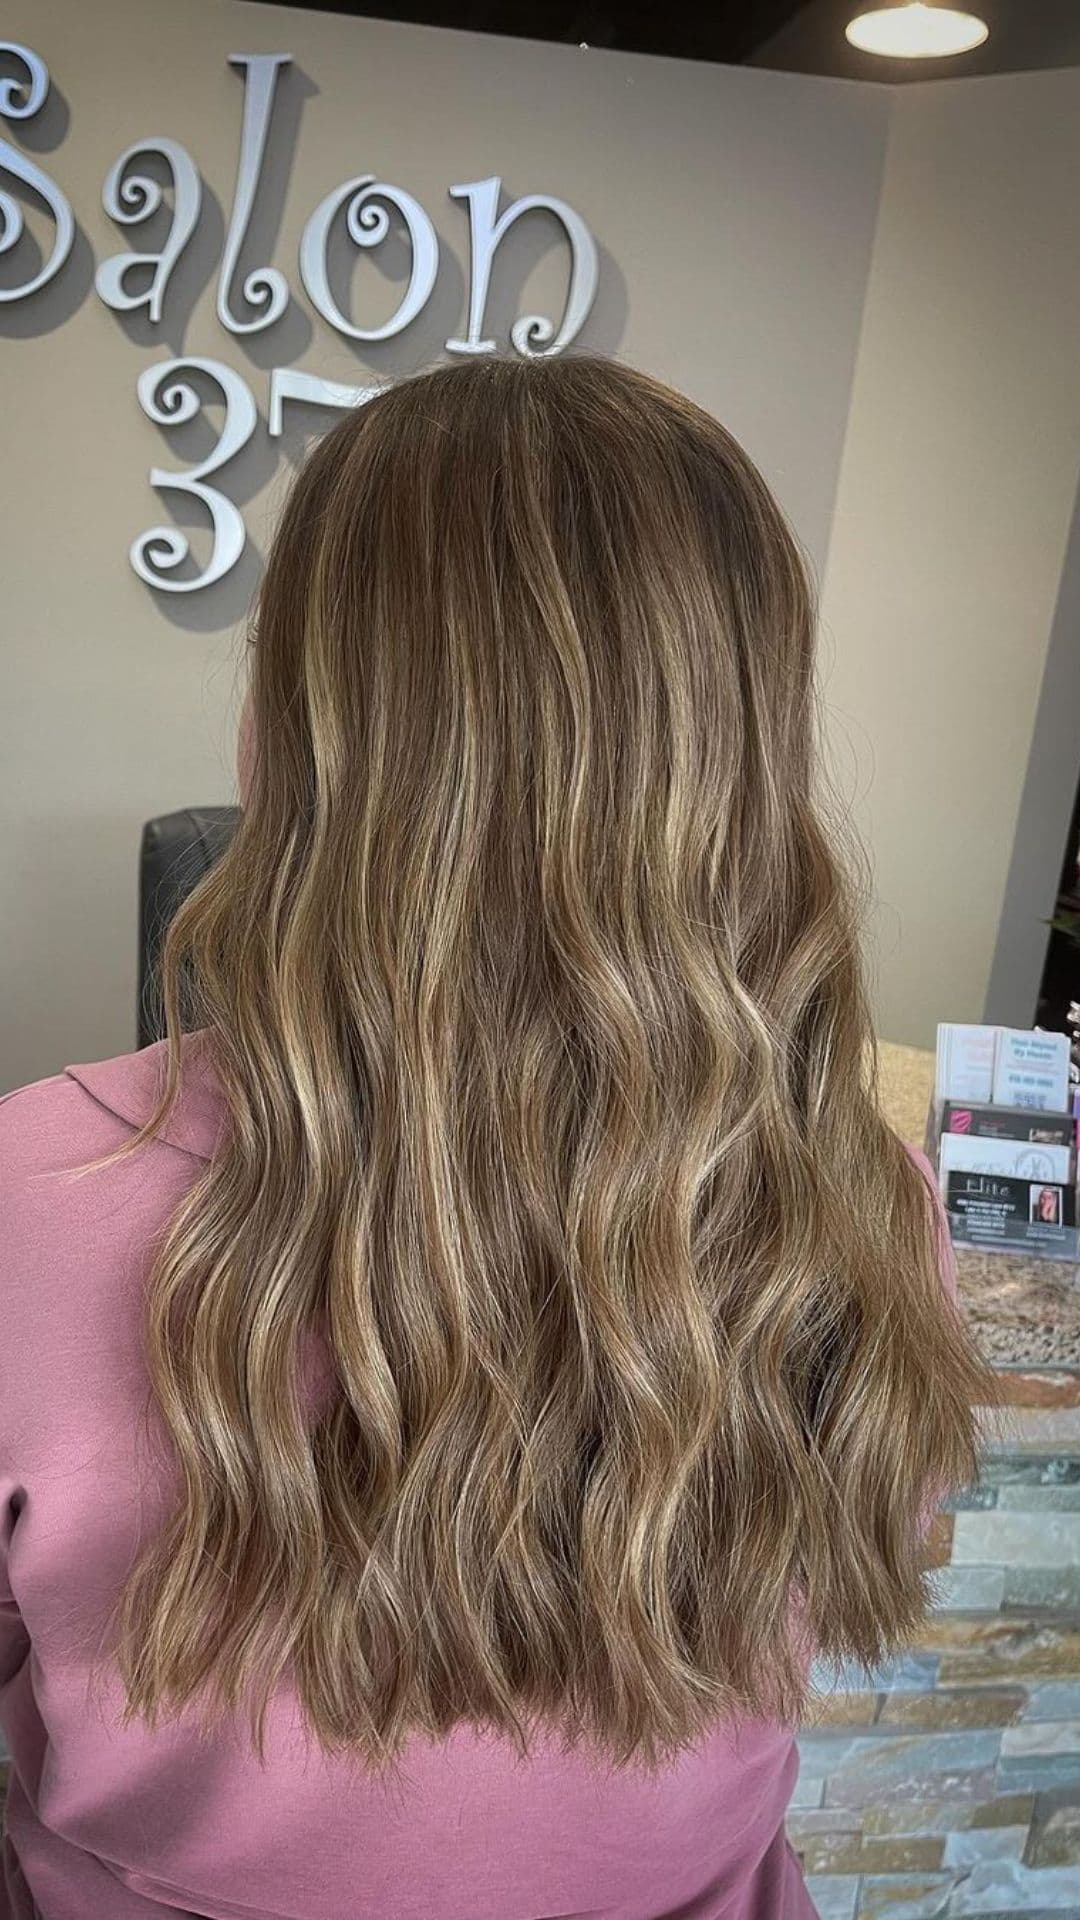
column 1007, row 1174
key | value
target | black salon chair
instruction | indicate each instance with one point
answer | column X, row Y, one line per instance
column 178, row 850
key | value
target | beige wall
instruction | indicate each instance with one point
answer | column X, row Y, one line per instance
column 955, row 500
column 736, row 212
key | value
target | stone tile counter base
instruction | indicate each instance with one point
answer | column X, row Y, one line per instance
column 948, row 1783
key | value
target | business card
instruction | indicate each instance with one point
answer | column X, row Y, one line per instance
column 1031, row 1069
column 965, row 1061
column 990, row 1208
column 1008, row 1123
column 1016, row 1159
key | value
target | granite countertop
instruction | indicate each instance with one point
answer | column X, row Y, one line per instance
column 1023, row 1311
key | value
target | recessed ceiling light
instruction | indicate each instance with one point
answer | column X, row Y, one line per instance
column 916, row 32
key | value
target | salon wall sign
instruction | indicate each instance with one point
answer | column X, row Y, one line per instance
column 363, row 206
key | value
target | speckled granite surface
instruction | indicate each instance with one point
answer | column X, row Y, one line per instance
column 1022, row 1311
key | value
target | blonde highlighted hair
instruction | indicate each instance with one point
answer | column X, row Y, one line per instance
column 532, row 985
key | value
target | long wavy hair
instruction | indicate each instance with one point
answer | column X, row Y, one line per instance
column 532, row 984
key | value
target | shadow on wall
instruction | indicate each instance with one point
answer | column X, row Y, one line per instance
column 371, row 283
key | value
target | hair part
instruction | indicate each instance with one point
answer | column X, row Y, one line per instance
column 532, row 984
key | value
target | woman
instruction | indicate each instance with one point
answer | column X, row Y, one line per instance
column 1046, row 1207
column 436, row 1429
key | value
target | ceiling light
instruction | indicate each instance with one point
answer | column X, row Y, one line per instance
column 916, row 32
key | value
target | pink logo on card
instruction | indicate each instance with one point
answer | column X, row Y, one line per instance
column 960, row 1122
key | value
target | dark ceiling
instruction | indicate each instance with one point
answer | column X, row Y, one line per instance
column 711, row 30
column 802, row 36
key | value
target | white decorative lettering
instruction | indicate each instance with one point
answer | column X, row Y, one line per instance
column 21, row 100
column 486, row 229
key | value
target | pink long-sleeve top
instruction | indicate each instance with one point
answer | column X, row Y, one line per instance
column 106, row 1822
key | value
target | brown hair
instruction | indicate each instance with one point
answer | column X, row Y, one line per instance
column 532, row 981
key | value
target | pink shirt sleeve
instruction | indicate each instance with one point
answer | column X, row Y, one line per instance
column 13, row 1635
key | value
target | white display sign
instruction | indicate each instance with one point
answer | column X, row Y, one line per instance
column 131, row 280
